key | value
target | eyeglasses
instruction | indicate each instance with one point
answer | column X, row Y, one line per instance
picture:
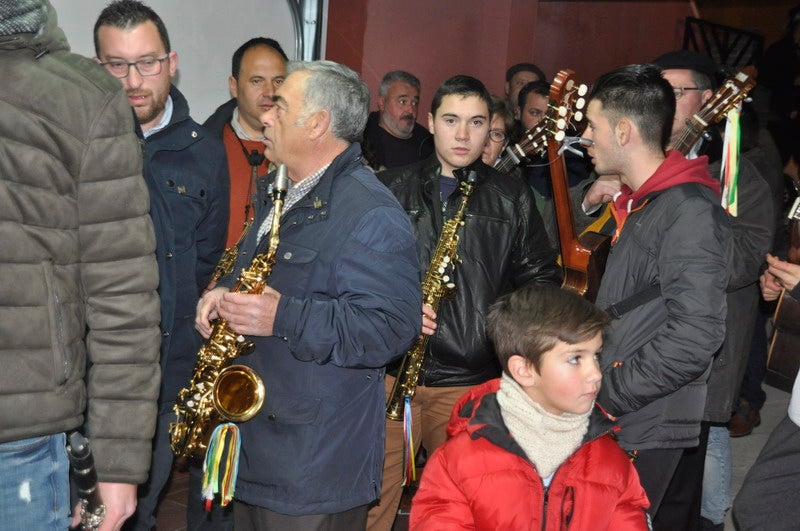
column 680, row 90
column 149, row 66
column 497, row 135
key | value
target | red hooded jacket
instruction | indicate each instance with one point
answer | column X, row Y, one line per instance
column 481, row 479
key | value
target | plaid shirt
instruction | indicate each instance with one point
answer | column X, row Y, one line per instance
column 295, row 194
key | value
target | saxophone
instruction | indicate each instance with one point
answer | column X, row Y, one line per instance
column 436, row 285
column 228, row 258
column 219, row 391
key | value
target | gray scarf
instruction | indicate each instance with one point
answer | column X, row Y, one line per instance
column 547, row 439
column 22, row 16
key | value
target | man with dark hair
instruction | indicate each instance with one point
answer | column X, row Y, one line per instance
column 532, row 102
column 693, row 78
column 187, row 177
column 519, row 75
column 258, row 69
column 502, row 246
column 393, row 137
column 341, row 303
column 79, row 327
column 666, row 276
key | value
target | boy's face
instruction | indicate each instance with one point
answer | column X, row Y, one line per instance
column 460, row 130
column 569, row 377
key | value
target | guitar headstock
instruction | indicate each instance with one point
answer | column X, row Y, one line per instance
column 564, row 109
column 734, row 90
column 566, row 102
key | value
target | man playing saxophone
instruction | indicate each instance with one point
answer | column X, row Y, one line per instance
column 502, row 245
column 343, row 301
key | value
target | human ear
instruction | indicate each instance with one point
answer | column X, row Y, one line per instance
column 522, row 371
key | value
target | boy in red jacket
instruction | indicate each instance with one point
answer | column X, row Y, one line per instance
column 529, row 450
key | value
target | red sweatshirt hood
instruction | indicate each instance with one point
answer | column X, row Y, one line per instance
column 676, row 169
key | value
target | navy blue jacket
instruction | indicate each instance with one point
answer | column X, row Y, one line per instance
column 348, row 274
column 187, row 176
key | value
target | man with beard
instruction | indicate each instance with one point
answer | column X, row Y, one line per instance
column 187, row 177
column 258, row 68
column 393, row 137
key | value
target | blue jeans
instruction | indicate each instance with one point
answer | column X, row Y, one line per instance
column 717, row 476
column 34, row 484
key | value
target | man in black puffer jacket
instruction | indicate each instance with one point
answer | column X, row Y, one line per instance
column 503, row 245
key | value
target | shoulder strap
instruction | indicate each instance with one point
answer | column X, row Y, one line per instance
column 634, row 301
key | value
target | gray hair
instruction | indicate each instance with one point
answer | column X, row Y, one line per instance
column 340, row 91
column 393, row 77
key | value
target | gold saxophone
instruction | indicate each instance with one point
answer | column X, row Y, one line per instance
column 436, row 285
column 228, row 258
column 219, row 391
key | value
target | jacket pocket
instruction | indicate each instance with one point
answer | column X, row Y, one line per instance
column 286, row 409
column 56, row 321
column 187, row 201
column 298, row 263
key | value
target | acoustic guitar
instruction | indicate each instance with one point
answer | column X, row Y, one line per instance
column 783, row 360
column 583, row 258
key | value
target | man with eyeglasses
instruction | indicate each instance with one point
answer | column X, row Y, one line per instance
column 503, row 245
column 393, row 137
column 187, row 177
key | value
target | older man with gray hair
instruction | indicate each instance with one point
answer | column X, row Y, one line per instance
column 393, row 137
column 343, row 301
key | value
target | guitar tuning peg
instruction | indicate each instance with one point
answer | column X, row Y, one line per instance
column 582, row 90
column 579, row 104
column 559, row 136
column 569, row 84
column 561, row 124
column 578, row 116
column 562, row 111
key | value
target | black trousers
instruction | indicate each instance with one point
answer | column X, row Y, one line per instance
column 680, row 507
column 252, row 518
column 655, row 468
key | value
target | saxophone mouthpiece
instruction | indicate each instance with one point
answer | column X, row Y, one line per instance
column 281, row 179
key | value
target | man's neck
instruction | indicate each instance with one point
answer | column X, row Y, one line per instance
column 315, row 159
column 642, row 168
column 385, row 127
column 254, row 132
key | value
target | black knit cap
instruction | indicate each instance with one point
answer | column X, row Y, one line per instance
column 688, row 60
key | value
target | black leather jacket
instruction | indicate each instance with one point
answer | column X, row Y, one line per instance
column 503, row 245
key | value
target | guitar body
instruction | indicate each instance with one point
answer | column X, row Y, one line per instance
column 587, row 264
column 783, row 359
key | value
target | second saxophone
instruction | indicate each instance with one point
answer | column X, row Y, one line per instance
column 436, row 285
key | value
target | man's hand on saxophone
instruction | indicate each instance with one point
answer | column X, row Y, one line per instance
column 207, row 309
column 246, row 313
column 250, row 314
column 428, row 320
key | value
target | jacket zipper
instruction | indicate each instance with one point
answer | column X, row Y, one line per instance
column 544, row 506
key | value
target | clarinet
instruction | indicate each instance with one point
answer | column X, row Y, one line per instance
column 80, row 457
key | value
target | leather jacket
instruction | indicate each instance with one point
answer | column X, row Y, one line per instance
column 503, row 245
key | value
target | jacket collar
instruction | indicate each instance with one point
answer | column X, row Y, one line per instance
column 320, row 195
column 478, row 413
